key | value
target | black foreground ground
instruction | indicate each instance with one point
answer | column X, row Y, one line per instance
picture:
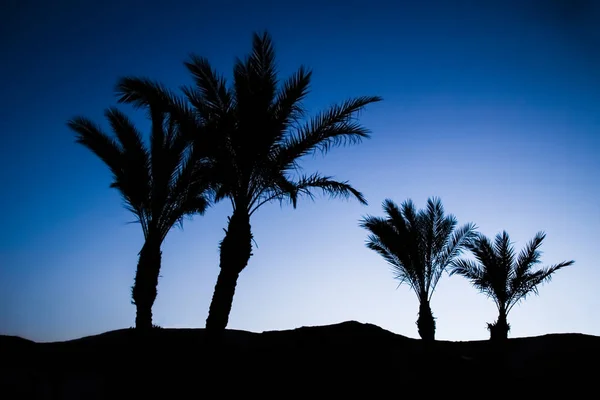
column 349, row 359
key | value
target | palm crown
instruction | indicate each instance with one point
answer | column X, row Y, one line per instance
column 159, row 185
column 253, row 132
column 504, row 276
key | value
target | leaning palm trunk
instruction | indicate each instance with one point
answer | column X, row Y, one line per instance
column 426, row 322
column 146, row 280
column 499, row 329
column 236, row 250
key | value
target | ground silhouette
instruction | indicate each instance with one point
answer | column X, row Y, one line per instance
column 340, row 359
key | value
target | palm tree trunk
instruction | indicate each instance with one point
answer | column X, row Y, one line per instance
column 235, row 251
column 499, row 329
column 426, row 322
column 146, row 280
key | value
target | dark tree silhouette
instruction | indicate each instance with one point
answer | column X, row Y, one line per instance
column 256, row 136
column 419, row 245
column 160, row 185
column 502, row 276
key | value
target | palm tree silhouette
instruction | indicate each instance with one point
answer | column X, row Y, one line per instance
column 502, row 276
column 160, row 185
column 419, row 245
column 256, row 136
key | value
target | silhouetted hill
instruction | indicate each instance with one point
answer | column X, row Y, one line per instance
column 323, row 361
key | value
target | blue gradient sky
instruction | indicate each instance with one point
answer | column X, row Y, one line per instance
column 495, row 108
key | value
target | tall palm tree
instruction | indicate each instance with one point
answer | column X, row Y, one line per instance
column 257, row 137
column 502, row 276
column 160, row 184
column 419, row 245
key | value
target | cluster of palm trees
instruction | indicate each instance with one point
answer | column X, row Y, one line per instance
column 421, row 244
column 243, row 143
column 240, row 142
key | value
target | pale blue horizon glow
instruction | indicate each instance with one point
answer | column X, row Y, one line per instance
column 494, row 109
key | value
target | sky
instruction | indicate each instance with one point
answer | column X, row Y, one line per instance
column 492, row 106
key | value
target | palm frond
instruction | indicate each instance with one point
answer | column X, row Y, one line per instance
column 505, row 254
column 485, row 252
column 393, row 212
column 414, row 239
column 409, row 237
column 530, row 281
column 329, row 186
column 430, row 218
column 388, row 237
column 164, row 163
column 177, row 148
column 255, row 78
column 262, row 70
column 284, row 188
column 529, row 255
column 142, row 92
column 474, row 272
column 191, row 195
column 328, row 129
column 443, row 226
column 410, row 215
column 103, row 146
column 384, row 239
column 288, row 108
column 375, row 243
column 210, row 96
column 127, row 161
column 276, row 186
column 129, row 137
column 457, row 241
column 136, row 160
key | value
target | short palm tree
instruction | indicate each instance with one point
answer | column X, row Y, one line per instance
column 256, row 139
column 502, row 276
column 160, row 185
column 419, row 245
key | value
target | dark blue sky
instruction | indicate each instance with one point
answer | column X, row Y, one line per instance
column 494, row 106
